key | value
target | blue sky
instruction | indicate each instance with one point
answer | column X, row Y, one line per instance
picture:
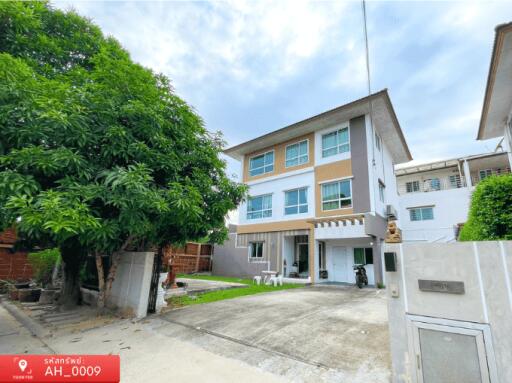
column 249, row 68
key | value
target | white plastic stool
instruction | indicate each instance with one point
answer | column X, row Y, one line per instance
column 256, row 279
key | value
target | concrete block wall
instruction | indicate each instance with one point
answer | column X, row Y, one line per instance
column 130, row 289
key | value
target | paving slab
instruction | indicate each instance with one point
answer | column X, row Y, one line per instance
column 340, row 329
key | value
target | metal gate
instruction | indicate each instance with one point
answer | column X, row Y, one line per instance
column 155, row 276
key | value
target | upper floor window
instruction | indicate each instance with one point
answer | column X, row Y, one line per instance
column 377, row 141
column 421, row 213
column 261, row 164
column 485, row 173
column 455, row 181
column 432, row 184
column 336, row 195
column 296, row 201
column 335, row 142
column 259, row 207
column 382, row 191
column 412, row 186
column 297, row 154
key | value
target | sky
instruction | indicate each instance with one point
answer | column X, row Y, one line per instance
column 251, row 67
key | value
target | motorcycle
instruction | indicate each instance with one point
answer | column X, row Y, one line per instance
column 361, row 277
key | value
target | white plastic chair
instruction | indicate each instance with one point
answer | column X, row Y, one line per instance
column 279, row 280
column 273, row 281
column 257, row 280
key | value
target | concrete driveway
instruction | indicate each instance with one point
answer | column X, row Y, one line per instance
column 306, row 335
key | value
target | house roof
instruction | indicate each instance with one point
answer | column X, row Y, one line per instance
column 384, row 117
column 498, row 92
column 442, row 164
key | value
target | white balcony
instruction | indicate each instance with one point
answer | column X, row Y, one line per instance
column 431, row 185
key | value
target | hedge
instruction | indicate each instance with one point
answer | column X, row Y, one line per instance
column 490, row 214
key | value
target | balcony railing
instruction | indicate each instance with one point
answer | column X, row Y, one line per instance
column 430, row 185
column 484, row 173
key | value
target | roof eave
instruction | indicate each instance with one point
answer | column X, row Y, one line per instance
column 500, row 31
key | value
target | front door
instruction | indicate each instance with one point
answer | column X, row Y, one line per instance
column 449, row 354
column 303, row 251
column 340, row 267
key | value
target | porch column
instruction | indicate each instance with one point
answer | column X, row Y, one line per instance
column 467, row 174
column 377, row 260
column 311, row 251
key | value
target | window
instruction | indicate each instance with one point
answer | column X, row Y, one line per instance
column 296, row 201
column 433, row 184
column 264, row 163
column 259, row 207
column 455, row 181
column 256, row 249
column 421, row 213
column 335, row 142
column 336, row 195
column 363, row 256
column 382, row 189
column 485, row 173
column 297, row 154
column 377, row 141
column 412, row 186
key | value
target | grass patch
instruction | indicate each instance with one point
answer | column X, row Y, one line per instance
column 220, row 295
column 215, row 278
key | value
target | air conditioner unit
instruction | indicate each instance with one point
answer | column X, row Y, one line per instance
column 391, row 212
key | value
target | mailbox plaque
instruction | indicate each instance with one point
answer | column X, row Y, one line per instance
column 449, row 287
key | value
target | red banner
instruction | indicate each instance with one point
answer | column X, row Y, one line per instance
column 60, row 368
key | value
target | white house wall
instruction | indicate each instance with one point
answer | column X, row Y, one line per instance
column 277, row 187
column 450, row 208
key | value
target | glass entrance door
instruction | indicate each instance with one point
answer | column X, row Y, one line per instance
column 303, row 255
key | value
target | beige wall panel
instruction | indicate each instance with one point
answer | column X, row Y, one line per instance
column 273, row 226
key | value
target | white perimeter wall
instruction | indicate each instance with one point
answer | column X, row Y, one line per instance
column 450, row 208
column 277, row 187
column 130, row 289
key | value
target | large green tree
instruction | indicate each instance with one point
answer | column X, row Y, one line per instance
column 97, row 153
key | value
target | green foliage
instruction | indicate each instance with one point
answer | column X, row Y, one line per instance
column 43, row 263
column 96, row 150
column 490, row 214
column 220, row 295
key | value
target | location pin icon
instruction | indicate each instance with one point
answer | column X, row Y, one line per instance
column 23, row 364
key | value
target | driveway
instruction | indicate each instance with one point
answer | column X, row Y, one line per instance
column 310, row 334
column 300, row 335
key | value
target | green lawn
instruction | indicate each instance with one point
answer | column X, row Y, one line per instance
column 225, row 294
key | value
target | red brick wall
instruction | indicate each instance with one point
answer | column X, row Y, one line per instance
column 14, row 266
column 8, row 237
column 190, row 259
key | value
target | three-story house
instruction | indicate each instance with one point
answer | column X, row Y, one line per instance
column 321, row 191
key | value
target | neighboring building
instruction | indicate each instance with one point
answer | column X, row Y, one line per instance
column 496, row 119
column 320, row 192
column 434, row 197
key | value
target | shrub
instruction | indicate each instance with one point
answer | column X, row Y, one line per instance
column 490, row 214
column 43, row 263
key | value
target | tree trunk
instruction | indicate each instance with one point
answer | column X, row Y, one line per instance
column 101, row 282
column 72, row 260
